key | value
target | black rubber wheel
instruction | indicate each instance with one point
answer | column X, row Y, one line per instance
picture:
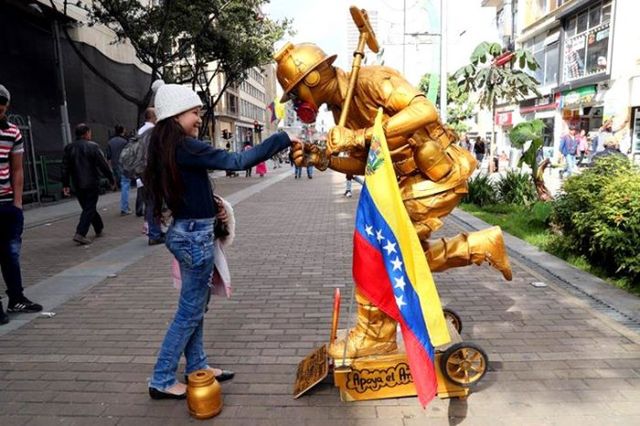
column 464, row 363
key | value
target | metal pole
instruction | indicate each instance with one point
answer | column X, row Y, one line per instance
column 404, row 32
column 64, row 112
column 34, row 167
column 443, row 61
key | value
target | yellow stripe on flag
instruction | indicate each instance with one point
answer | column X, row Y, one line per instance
column 384, row 190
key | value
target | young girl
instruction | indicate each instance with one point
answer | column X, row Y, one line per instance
column 177, row 176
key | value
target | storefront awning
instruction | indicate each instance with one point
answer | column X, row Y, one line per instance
column 582, row 96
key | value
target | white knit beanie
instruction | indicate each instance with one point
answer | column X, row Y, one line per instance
column 173, row 99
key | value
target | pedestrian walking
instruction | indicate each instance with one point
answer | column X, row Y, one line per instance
column 583, row 146
column 297, row 170
column 349, row 184
column 177, row 175
column 464, row 142
column 247, row 146
column 230, row 173
column 604, row 133
column 82, row 165
column 569, row 148
column 114, row 149
column 153, row 226
column 261, row 168
column 11, row 215
column 479, row 149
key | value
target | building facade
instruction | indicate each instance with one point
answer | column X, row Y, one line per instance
column 589, row 73
column 52, row 87
column 244, row 108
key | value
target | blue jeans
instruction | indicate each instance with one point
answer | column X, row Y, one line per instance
column 11, row 226
column 570, row 165
column 191, row 242
column 297, row 171
column 125, row 184
column 309, row 171
column 154, row 231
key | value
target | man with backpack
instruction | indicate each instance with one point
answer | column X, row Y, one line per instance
column 569, row 149
column 132, row 164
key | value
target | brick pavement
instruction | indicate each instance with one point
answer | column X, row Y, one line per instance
column 554, row 359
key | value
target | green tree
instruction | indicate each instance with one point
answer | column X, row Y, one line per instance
column 175, row 39
column 459, row 108
column 529, row 135
column 496, row 76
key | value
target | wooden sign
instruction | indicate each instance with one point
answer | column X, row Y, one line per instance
column 386, row 376
column 311, row 371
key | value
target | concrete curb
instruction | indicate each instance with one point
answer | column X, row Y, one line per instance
column 622, row 306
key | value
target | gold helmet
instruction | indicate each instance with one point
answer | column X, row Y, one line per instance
column 298, row 62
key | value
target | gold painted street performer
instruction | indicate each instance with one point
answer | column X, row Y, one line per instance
column 431, row 170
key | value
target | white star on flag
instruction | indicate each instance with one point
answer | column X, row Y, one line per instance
column 400, row 283
column 390, row 247
column 400, row 302
column 368, row 229
column 397, row 264
column 379, row 236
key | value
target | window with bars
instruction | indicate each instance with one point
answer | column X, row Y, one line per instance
column 586, row 49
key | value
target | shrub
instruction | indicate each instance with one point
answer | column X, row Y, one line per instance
column 541, row 212
column 517, row 188
column 481, row 191
column 599, row 214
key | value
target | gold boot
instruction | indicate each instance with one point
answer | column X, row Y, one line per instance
column 374, row 333
column 467, row 248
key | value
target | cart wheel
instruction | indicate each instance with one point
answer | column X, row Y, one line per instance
column 451, row 316
column 464, row 363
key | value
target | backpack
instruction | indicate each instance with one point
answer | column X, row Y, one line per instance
column 132, row 158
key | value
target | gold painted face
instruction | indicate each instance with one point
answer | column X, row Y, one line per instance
column 297, row 64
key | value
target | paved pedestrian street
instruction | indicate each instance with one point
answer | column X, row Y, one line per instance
column 555, row 359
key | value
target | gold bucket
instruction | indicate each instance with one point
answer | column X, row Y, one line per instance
column 204, row 395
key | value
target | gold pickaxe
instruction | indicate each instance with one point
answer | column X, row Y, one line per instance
column 367, row 36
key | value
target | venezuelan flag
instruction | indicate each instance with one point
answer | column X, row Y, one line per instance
column 390, row 268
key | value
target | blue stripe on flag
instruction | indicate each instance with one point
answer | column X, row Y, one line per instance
column 372, row 226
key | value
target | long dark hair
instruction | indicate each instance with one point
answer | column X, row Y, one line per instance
column 161, row 176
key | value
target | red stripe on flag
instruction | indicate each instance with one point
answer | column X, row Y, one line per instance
column 373, row 282
column 371, row 276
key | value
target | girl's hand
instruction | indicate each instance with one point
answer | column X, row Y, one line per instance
column 222, row 213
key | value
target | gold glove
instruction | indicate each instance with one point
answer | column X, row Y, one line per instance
column 317, row 156
column 341, row 139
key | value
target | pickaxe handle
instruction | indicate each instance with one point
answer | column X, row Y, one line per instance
column 368, row 37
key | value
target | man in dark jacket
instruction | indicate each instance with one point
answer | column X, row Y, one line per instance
column 83, row 162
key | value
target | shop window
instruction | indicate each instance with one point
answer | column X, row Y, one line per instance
column 551, row 65
column 544, row 49
column 594, row 17
column 583, row 20
column 606, row 12
column 571, row 27
column 597, row 46
column 586, row 48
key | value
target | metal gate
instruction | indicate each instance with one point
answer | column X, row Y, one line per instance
column 31, row 185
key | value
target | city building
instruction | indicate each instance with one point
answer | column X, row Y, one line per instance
column 52, row 89
column 589, row 59
column 245, row 108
